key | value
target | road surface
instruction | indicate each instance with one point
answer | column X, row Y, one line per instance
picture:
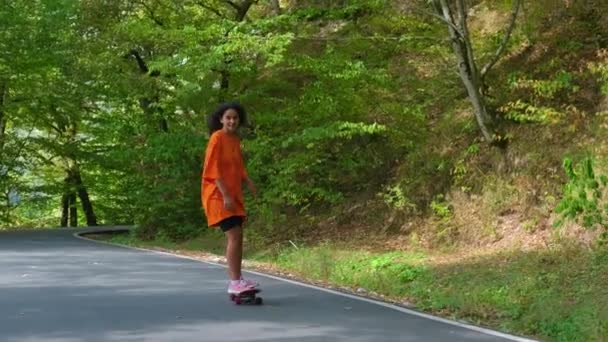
column 55, row 287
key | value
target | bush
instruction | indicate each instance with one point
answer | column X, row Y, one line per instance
column 583, row 198
column 167, row 184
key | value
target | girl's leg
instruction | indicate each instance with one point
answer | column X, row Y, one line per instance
column 234, row 252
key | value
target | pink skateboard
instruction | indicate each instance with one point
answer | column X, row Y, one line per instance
column 246, row 297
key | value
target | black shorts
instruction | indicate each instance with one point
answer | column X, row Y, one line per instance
column 231, row 222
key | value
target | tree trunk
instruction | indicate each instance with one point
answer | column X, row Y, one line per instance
column 224, row 84
column 69, row 211
column 503, row 45
column 74, row 187
column 479, row 106
column 147, row 104
column 73, row 209
column 163, row 126
column 3, row 91
column 467, row 68
column 65, row 206
column 65, row 201
column 83, row 194
column 239, row 16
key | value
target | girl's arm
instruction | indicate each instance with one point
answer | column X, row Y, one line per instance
column 228, row 201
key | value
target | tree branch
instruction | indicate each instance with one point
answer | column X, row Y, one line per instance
column 140, row 61
column 503, row 44
column 243, row 9
column 151, row 12
column 56, row 128
column 233, row 4
column 211, row 9
column 441, row 18
column 463, row 11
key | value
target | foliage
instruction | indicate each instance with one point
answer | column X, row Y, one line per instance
column 169, row 170
column 542, row 95
column 600, row 70
column 319, row 164
column 545, row 89
column 395, row 197
column 441, row 208
column 523, row 112
column 330, row 11
column 583, row 197
column 344, row 97
column 445, row 230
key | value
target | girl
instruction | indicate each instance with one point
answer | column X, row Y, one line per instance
column 222, row 195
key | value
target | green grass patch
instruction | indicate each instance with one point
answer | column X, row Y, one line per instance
column 557, row 295
column 211, row 242
column 388, row 273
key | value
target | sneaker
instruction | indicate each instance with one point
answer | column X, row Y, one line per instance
column 238, row 286
column 250, row 283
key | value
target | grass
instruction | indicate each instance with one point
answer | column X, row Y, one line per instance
column 559, row 294
column 211, row 243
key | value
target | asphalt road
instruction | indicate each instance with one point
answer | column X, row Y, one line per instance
column 55, row 287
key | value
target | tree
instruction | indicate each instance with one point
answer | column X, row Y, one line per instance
column 160, row 66
column 23, row 61
column 455, row 14
column 43, row 99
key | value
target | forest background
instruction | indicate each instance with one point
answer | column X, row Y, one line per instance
column 449, row 154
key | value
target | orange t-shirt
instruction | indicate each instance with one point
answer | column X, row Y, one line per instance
column 223, row 160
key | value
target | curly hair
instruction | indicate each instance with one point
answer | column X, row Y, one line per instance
column 213, row 121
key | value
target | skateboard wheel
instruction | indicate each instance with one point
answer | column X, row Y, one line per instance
column 258, row 301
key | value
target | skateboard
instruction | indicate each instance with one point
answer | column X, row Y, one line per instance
column 246, row 297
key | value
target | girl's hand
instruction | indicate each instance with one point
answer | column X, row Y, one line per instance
column 229, row 203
